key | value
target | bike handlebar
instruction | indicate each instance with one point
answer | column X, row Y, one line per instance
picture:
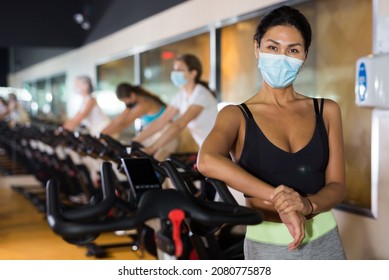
column 153, row 204
column 88, row 212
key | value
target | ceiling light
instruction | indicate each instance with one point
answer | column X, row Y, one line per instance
column 79, row 18
column 85, row 25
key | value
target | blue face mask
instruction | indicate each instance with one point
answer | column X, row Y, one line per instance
column 279, row 71
column 178, row 78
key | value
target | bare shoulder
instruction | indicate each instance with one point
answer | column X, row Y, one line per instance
column 230, row 112
column 92, row 100
column 331, row 107
column 230, row 109
column 229, row 115
column 332, row 114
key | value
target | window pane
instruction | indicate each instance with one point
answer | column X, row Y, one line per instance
column 58, row 98
column 158, row 63
column 32, row 106
column 110, row 74
column 239, row 77
column 343, row 34
column 41, row 89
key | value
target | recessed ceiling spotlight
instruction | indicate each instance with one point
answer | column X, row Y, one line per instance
column 85, row 25
column 79, row 18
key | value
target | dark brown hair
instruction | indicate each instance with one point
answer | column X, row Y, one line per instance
column 285, row 15
column 88, row 81
column 3, row 100
column 124, row 90
column 193, row 63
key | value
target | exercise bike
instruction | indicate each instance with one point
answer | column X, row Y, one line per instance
column 185, row 222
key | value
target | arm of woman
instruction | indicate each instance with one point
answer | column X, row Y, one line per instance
column 213, row 158
column 157, row 125
column 72, row 123
column 334, row 191
column 213, row 161
column 175, row 128
column 5, row 113
column 126, row 118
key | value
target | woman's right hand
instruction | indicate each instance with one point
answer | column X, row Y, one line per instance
column 285, row 199
column 295, row 222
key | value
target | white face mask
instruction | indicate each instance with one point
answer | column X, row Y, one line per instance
column 279, row 71
column 178, row 78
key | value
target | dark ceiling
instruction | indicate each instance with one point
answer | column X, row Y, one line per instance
column 50, row 23
column 35, row 30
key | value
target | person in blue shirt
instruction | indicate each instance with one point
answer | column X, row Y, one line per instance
column 140, row 104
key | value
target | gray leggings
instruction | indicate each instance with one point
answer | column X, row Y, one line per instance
column 327, row 247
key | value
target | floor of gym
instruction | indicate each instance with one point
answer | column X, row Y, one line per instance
column 25, row 234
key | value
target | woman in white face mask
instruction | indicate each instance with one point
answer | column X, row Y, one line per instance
column 90, row 113
column 194, row 106
column 286, row 148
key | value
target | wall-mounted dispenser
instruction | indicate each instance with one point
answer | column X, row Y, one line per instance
column 372, row 81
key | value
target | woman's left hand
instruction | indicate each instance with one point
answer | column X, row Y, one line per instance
column 295, row 223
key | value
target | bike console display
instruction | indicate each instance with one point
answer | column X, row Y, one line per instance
column 141, row 175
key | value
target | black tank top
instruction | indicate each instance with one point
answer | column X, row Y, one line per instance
column 304, row 170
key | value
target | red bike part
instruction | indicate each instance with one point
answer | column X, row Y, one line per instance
column 176, row 216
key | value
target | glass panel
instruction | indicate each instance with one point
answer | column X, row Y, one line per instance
column 32, row 107
column 157, row 64
column 110, row 74
column 58, row 98
column 41, row 89
column 343, row 33
column 239, row 75
column 46, row 99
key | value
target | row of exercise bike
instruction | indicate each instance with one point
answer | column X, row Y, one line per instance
column 171, row 210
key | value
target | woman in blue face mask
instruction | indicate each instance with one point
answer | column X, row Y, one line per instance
column 286, row 149
column 193, row 107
